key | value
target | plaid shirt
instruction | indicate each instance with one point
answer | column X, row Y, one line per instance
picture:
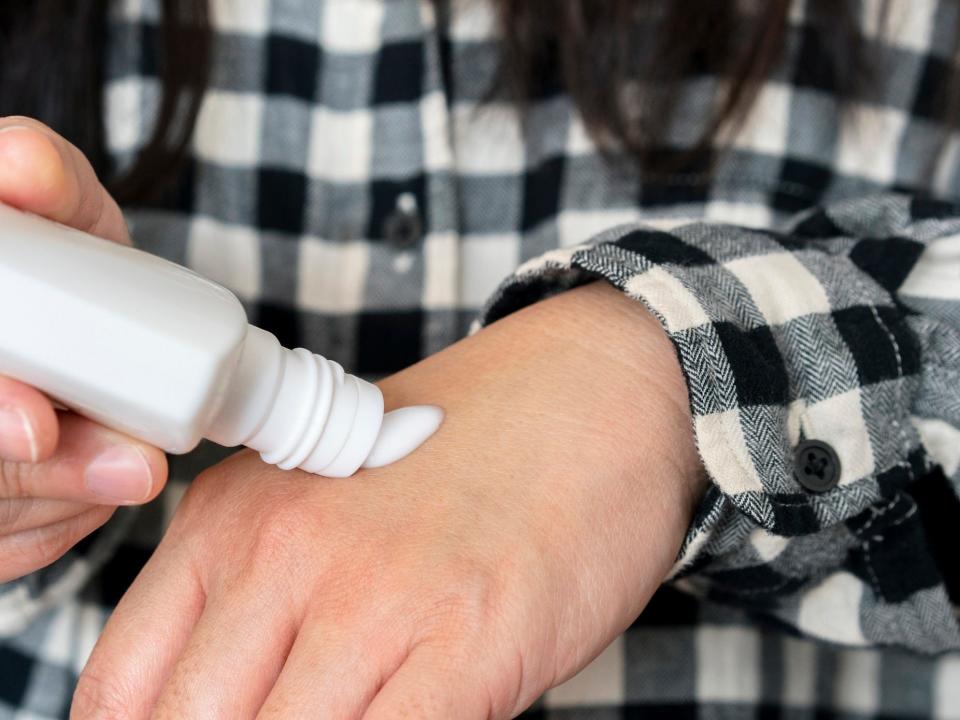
column 348, row 182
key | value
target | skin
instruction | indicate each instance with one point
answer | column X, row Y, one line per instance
column 45, row 505
column 463, row 581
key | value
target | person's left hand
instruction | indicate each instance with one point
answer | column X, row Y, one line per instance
column 493, row 563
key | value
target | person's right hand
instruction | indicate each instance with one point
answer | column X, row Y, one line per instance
column 61, row 475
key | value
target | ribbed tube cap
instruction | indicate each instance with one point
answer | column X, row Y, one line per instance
column 298, row 409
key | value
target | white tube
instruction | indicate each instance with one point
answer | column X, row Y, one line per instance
column 150, row 348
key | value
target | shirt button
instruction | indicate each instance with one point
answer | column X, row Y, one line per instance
column 403, row 227
column 816, row 466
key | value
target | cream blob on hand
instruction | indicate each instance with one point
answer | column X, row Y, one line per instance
column 150, row 348
column 403, row 430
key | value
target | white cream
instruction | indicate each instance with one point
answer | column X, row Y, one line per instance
column 402, row 432
column 152, row 349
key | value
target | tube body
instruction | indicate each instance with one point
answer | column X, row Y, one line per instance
column 121, row 336
column 150, row 348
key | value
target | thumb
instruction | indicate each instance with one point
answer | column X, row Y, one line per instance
column 42, row 173
column 91, row 464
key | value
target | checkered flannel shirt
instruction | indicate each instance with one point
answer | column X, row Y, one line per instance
column 347, row 180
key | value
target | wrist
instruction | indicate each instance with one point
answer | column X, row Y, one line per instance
column 568, row 441
column 583, row 385
column 645, row 387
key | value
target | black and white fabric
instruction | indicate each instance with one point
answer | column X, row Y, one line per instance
column 352, row 182
column 809, row 333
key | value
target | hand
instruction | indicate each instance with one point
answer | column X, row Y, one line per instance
column 61, row 475
column 463, row 581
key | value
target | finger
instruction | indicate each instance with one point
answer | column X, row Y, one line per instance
column 26, row 551
column 433, row 684
column 232, row 659
column 21, row 514
column 44, row 174
column 91, row 464
column 28, row 423
column 141, row 642
column 332, row 671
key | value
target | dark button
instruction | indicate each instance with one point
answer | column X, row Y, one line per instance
column 403, row 227
column 816, row 466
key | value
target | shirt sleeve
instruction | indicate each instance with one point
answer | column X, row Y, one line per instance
column 822, row 363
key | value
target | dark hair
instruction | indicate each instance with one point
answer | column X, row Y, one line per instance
column 52, row 64
column 621, row 61
column 52, row 67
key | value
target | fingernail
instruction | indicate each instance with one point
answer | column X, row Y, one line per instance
column 120, row 474
column 17, row 439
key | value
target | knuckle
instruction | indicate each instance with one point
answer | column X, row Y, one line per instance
column 11, row 513
column 475, row 602
column 275, row 531
column 29, row 550
column 50, row 544
column 278, row 538
column 202, row 508
column 200, row 513
column 195, row 500
column 283, row 547
column 14, row 479
column 98, row 697
column 263, row 529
